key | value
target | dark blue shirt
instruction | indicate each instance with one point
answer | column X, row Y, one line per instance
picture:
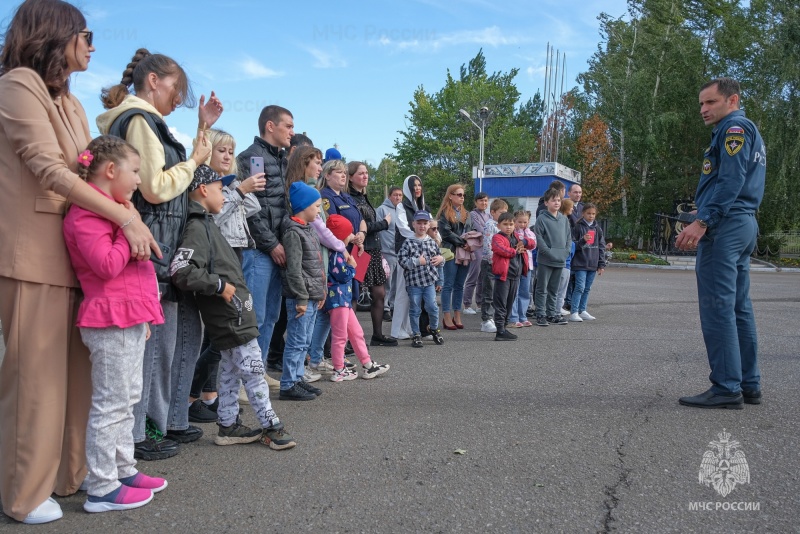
column 341, row 204
column 734, row 170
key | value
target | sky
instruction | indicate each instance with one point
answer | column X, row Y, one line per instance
column 346, row 70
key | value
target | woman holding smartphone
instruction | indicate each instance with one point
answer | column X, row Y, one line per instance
column 160, row 85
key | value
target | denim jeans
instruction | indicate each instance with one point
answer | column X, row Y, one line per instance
column 453, row 287
column 187, row 350
column 205, row 371
column 263, row 278
column 299, row 331
column 322, row 328
column 517, row 312
column 159, row 351
column 415, row 296
column 580, row 295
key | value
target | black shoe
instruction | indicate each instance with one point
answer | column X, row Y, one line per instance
column 185, row 436
column 437, row 336
column 199, row 412
column 751, row 396
column 150, row 449
column 567, row 306
column 541, row 321
column 348, row 349
column 308, row 387
column 709, row 399
column 530, row 313
column 296, row 393
column 276, row 366
column 387, row 316
column 383, row 341
column 416, row 341
column 504, row 335
column 557, row 320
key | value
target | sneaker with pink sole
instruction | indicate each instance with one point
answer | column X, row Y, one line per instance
column 122, row 498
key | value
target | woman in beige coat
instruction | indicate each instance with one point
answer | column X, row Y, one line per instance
column 45, row 375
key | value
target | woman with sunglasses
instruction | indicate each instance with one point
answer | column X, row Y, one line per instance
column 452, row 221
column 45, row 377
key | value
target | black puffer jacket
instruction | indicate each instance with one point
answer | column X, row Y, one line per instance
column 166, row 220
column 202, row 264
column 374, row 226
column 266, row 227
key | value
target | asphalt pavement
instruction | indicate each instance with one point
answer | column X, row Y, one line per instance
column 571, row 428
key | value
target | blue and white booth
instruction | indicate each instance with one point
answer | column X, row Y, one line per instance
column 522, row 184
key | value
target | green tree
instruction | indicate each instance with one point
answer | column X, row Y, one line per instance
column 442, row 148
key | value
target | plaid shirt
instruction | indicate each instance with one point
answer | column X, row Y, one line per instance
column 417, row 275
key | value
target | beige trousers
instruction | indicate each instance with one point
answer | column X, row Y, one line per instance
column 45, row 395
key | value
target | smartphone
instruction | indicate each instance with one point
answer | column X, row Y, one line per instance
column 256, row 165
column 166, row 255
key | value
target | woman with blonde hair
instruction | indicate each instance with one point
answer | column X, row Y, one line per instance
column 453, row 217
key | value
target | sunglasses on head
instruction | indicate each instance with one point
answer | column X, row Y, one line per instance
column 89, row 35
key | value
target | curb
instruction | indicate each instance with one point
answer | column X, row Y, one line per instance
column 691, row 268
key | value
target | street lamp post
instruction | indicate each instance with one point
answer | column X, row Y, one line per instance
column 483, row 114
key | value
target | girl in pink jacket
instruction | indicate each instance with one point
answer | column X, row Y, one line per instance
column 120, row 300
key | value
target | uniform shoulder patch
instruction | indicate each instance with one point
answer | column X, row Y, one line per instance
column 735, row 130
column 733, row 144
column 706, row 166
column 326, row 204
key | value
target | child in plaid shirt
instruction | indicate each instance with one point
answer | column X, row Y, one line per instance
column 419, row 258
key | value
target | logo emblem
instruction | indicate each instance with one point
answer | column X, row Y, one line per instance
column 724, row 466
column 326, row 205
column 733, row 144
column 706, row 166
column 735, row 130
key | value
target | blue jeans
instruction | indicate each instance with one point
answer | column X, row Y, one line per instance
column 322, row 327
column 517, row 312
column 187, row 351
column 299, row 331
column 415, row 297
column 263, row 278
column 453, row 287
column 580, row 294
column 726, row 313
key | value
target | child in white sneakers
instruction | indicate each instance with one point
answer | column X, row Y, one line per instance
column 120, row 300
column 339, row 306
column 497, row 208
column 589, row 260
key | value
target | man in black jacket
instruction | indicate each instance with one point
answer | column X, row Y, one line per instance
column 262, row 265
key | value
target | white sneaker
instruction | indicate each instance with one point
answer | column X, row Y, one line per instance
column 310, row 376
column 344, row 375
column 323, row 367
column 564, row 312
column 46, row 512
column 585, row 316
column 575, row 318
column 488, row 326
column 468, row 311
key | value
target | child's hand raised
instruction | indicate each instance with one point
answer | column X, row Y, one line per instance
column 228, row 292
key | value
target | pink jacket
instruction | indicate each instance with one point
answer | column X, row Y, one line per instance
column 528, row 234
column 117, row 291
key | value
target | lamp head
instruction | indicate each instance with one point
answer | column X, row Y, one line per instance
column 464, row 114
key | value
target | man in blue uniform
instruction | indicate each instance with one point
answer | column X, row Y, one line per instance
column 730, row 190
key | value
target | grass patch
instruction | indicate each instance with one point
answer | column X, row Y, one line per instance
column 636, row 256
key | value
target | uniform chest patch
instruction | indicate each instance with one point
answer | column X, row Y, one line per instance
column 326, row 204
column 706, row 166
column 733, row 144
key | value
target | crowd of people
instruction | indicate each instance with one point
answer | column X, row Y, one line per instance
column 145, row 288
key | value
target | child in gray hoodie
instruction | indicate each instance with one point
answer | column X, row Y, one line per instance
column 554, row 240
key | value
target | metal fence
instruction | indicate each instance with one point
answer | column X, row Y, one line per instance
column 787, row 242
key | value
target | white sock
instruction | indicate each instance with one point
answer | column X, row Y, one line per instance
column 209, row 402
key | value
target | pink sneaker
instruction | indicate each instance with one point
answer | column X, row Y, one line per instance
column 142, row 481
column 514, row 325
column 122, row 498
column 527, row 323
